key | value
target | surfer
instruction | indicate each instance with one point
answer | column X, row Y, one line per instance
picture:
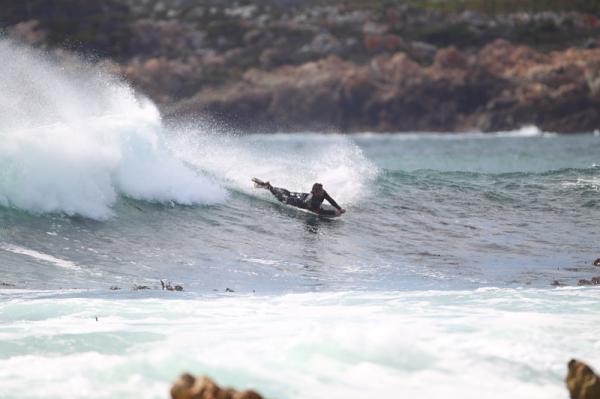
column 311, row 201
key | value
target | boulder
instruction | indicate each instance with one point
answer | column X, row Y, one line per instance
column 593, row 281
column 190, row 387
column 581, row 381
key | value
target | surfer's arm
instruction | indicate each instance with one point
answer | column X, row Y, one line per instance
column 332, row 202
column 339, row 209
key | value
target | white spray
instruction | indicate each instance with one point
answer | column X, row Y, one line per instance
column 73, row 139
column 293, row 161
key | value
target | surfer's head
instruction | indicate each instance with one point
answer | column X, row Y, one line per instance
column 317, row 189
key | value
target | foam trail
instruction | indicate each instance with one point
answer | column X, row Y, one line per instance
column 73, row 139
column 292, row 161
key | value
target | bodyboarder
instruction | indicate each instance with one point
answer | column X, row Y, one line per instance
column 311, row 201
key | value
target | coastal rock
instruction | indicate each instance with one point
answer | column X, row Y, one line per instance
column 504, row 59
column 422, row 52
column 286, row 66
column 581, row 381
column 166, row 285
column 554, row 91
column 166, row 80
column 28, row 32
column 190, row 387
column 504, row 87
column 323, row 43
column 593, row 281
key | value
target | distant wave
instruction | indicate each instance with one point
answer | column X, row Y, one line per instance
column 571, row 179
column 525, row 131
column 16, row 249
column 591, row 171
column 72, row 140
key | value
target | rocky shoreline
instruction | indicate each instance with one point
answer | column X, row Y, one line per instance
column 502, row 87
column 343, row 66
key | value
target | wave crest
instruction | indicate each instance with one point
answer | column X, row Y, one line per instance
column 73, row 139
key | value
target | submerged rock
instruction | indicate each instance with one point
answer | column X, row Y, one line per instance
column 166, row 285
column 582, row 382
column 136, row 287
column 189, row 387
column 593, row 281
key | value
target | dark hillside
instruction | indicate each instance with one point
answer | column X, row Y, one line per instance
column 187, row 55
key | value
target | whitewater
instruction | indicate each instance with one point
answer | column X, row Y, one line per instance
column 454, row 272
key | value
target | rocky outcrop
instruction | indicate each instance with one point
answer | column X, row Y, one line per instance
column 582, row 382
column 593, row 281
column 501, row 87
column 557, row 91
column 100, row 27
column 344, row 66
column 190, row 387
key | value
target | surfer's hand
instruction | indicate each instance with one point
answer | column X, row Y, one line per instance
column 338, row 212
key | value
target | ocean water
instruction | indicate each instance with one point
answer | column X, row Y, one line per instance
column 439, row 281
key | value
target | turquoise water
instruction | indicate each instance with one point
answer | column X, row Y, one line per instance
column 438, row 281
column 423, row 213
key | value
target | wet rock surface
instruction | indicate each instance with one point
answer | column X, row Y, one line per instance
column 167, row 285
column 190, row 387
column 592, row 281
column 581, row 381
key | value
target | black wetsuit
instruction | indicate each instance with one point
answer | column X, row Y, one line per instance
column 305, row 200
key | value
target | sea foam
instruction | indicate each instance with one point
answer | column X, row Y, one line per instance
column 73, row 139
column 491, row 343
column 292, row 161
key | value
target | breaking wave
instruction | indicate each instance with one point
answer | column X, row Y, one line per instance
column 73, row 139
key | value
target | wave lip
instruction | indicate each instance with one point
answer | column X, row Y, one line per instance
column 72, row 140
